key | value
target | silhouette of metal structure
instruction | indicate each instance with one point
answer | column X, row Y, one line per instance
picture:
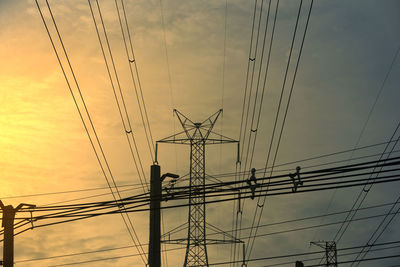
column 154, row 259
column 8, row 223
column 197, row 135
column 330, row 252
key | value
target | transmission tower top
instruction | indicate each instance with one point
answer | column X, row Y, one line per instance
column 197, row 131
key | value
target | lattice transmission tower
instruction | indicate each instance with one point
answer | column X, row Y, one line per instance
column 330, row 252
column 197, row 135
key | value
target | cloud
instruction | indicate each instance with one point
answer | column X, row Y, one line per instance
column 45, row 148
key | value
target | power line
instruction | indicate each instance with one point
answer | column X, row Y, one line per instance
column 244, row 173
column 140, row 100
column 253, row 59
column 296, row 255
column 254, row 131
column 137, row 72
column 256, row 88
column 370, row 113
column 79, row 213
column 221, row 263
column 67, row 192
column 109, row 258
column 321, row 225
column 249, row 137
column 341, row 254
column 136, row 186
column 138, row 209
column 248, row 71
column 377, row 229
column 364, row 192
column 126, row 113
column 368, row 259
column 333, row 154
column 224, row 55
column 264, row 84
column 294, row 77
column 291, row 230
column 83, row 102
column 306, row 218
column 166, row 52
column 211, row 191
column 238, row 163
column 91, row 196
column 309, row 176
column 287, row 107
column 126, row 125
column 140, row 87
column 75, row 254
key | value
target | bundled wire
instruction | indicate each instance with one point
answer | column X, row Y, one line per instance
column 315, row 180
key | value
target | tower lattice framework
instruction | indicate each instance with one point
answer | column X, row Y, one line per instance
column 197, row 135
column 330, row 252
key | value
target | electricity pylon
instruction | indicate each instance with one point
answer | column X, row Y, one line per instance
column 197, row 135
column 330, row 252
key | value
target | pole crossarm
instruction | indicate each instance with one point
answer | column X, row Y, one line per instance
column 227, row 237
column 201, row 129
column 197, row 131
column 181, row 138
column 209, row 241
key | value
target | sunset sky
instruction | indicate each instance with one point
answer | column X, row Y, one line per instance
column 193, row 56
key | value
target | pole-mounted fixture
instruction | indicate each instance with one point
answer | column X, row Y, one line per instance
column 8, row 223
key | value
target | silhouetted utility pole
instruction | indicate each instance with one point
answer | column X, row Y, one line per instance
column 155, row 217
column 155, row 214
column 197, row 135
column 330, row 252
column 8, row 224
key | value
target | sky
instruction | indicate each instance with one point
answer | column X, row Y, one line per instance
column 193, row 56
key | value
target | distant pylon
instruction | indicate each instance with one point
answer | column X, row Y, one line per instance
column 330, row 252
column 197, row 135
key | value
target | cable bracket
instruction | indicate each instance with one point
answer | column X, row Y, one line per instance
column 170, row 190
